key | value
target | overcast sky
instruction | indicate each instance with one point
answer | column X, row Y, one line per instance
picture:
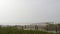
column 29, row 11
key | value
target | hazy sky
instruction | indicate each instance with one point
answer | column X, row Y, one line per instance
column 29, row 11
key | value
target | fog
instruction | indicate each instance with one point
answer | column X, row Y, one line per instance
column 29, row 11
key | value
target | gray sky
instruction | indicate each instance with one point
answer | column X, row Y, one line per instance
column 29, row 11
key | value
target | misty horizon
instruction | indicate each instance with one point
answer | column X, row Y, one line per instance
column 29, row 11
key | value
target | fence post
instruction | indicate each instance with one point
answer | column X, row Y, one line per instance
column 56, row 29
column 25, row 26
column 22, row 27
column 36, row 27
